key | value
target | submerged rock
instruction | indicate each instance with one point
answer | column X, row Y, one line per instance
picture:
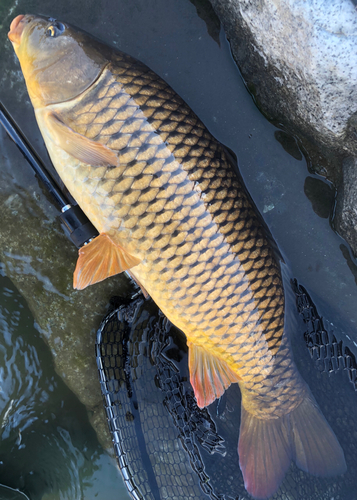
column 299, row 61
column 39, row 260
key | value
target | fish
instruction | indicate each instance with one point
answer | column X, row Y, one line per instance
column 171, row 210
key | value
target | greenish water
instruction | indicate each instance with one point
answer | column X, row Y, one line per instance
column 49, row 449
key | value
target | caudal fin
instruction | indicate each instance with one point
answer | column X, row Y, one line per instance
column 317, row 450
column 264, row 453
column 266, row 448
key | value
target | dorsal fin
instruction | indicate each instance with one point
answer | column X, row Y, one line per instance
column 100, row 259
column 209, row 375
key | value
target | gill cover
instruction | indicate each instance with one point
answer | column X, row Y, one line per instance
column 58, row 62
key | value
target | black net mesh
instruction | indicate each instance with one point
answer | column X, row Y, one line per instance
column 329, row 354
column 155, row 422
column 167, row 447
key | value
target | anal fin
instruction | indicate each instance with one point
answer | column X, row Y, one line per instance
column 100, row 259
column 209, row 375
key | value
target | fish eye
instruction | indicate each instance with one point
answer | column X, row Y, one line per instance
column 55, row 29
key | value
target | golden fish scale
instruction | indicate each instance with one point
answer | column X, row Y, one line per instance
column 175, row 202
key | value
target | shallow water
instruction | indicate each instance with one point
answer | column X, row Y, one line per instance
column 48, row 448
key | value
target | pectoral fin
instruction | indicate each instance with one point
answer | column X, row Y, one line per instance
column 209, row 375
column 100, row 259
column 78, row 145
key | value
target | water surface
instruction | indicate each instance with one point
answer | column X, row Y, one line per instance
column 48, row 448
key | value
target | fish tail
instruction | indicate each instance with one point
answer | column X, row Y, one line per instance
column 316, row 448
column 267, row 446
column 264, row 453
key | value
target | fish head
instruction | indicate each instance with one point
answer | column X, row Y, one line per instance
column 58, row 61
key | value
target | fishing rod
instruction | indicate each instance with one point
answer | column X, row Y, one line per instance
column 75, row 223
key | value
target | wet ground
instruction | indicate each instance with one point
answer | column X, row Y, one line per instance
column 48, row 447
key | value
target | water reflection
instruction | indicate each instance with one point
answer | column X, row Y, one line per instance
column 289, row 144
column 321, row 194
column 207, row 14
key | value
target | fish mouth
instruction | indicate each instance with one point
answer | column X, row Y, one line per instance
column 17, row 27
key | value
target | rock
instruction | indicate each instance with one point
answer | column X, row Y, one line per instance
column 299, row 61
column 346, row 206
column 39, row 260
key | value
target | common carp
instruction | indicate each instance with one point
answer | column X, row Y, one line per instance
column 169, row 208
